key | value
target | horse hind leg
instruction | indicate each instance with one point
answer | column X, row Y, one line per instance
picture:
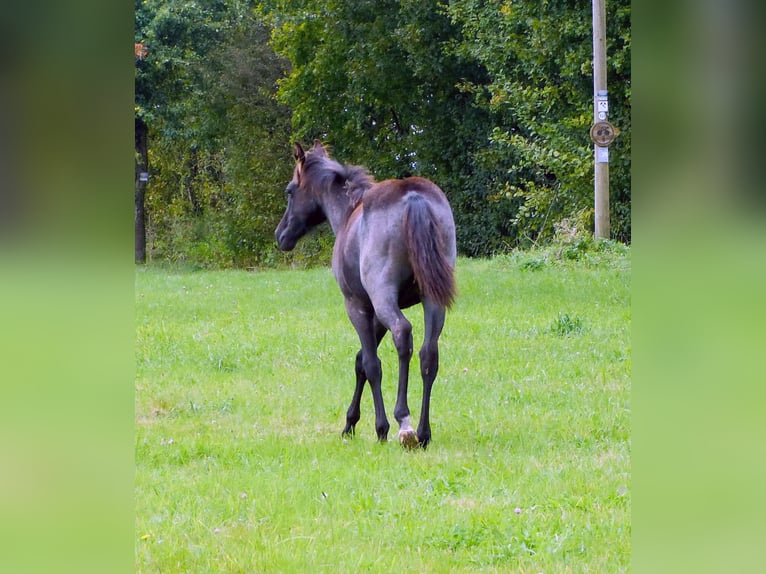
column 407, row 436
column 429, row 365
column 391, row 316
column 403, row 342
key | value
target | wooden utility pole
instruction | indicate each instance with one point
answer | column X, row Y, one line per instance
column 601, row 127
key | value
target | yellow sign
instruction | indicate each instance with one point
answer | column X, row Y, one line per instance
column 603, row 133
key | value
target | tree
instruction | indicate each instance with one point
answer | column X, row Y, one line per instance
column 539, row 59
column 379, row 81
column 142, row 167
column 490, row 99
column 177, row 36
column 205, row 93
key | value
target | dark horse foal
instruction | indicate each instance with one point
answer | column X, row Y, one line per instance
column 394, row 248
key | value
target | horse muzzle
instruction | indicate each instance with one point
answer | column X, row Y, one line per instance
column 286, row 237
column 286, row 243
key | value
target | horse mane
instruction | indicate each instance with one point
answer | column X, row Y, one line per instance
column 358, row 180
column 325, row 173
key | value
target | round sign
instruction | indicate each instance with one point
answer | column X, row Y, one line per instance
column 603, row 133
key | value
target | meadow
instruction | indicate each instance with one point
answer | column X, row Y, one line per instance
column 244, row 377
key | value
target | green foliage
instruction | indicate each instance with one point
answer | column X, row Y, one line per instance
column 179, row 35
column 219, row 153
column 540, row 94
column 374, row 79
column 378, row 81
column 565, row 324
column 491, row 100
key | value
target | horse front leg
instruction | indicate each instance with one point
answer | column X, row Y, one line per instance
column 370, row 333
column 354, row 410
column 353, row 413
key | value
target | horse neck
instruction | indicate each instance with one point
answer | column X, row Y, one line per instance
column 339, row 201
column 336, row 206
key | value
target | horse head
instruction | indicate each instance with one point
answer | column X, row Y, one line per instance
column 304, row 210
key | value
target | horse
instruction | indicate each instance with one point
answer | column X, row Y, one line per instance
column 394, row 248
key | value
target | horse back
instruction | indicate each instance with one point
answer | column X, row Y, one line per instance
column 371, row 252
column 388, row 194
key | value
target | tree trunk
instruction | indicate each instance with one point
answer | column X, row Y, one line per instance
column 142, row 167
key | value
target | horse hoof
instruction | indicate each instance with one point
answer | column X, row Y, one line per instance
column 408, row 439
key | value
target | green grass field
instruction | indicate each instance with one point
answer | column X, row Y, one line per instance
column 243, row 380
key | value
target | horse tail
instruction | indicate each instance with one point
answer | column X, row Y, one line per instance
column 427, row 251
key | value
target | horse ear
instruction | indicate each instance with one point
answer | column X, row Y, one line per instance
column 319, row 148
column 298, row 152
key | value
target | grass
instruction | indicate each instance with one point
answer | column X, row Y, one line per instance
column 242, row 386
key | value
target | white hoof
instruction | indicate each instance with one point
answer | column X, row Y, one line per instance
column 408, row 439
